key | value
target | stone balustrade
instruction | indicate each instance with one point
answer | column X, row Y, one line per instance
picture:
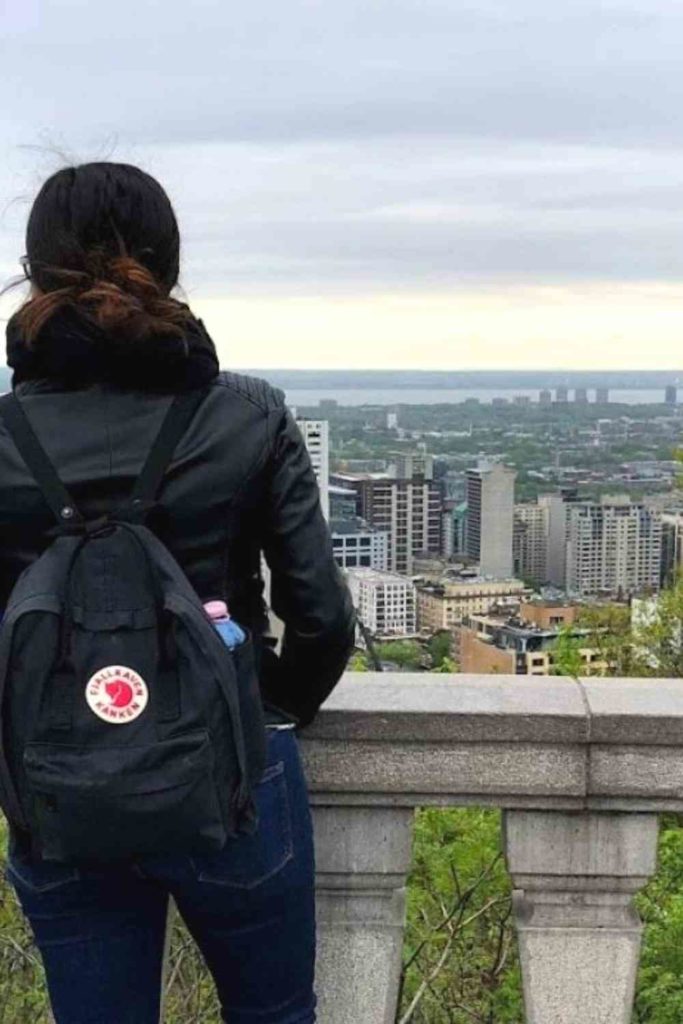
column 581, row 770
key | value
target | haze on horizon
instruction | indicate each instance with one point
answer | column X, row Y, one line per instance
column 459, row 184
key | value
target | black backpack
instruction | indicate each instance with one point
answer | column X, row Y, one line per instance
column 127, row 727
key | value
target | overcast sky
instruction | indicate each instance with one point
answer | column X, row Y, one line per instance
column 436, row 183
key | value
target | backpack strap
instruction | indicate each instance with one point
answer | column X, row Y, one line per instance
column 34, row 455
column 143, row 495
column 178, row 418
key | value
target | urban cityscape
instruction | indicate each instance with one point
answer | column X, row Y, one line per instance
column 492, row 526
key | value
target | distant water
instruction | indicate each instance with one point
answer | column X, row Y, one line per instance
column 434, row 396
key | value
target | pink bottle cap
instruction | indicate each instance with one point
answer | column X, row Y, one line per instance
column 216, row 609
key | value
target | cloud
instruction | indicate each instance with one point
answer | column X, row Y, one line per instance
column 367, row 147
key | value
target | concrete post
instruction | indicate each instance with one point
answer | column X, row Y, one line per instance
column 363, row 858
column 575, row 875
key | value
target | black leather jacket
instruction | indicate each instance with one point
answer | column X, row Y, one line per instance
column 240, row 483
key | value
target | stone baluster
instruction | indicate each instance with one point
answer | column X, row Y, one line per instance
column 363, row 858
column 579, row 936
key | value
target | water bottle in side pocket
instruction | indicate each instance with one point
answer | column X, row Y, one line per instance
column 231, row 633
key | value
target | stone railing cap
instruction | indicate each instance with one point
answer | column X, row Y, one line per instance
column 635, row 711
column 423, row 707
column 453, row 708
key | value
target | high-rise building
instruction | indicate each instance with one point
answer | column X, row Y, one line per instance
column 530, row 542
column 408, row 508
column 316, row 434
column 671, row 394
column 385, row 602
column 555, row 505
column 343, row 503
column 357, row 546
column 490, row 492
column 410, row 465
column 460, row 528
column 545, row 397
column 602, row 396
column 581, row 396
column 672, row 546
column 562, row 394
column 613, row 546
column 448, row 528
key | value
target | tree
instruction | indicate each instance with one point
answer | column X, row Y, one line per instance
column 659, row 998
column 447, row 665
column 440, row 648
column 460, row 953
column 566, row 654
column 657, row 637
column 358, row 662
column 407, row 654
column 607, row 632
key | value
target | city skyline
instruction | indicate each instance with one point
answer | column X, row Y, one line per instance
column 420, row 183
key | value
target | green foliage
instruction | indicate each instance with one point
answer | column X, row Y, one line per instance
column 408, row 654
column 440, row 648
column 447, row 665
column 658, row 639
column 659, row 998
column 460, row 962
column 358, row 662
column 567, row 660
column 611, row 638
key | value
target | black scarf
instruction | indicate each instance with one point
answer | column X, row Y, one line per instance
column 75, row 352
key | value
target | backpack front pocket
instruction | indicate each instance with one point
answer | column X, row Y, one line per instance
column 113, row 803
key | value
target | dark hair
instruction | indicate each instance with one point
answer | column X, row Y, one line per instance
column 103, row 238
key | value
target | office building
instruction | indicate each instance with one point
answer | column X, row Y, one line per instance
column 613, row 546
column 407, row 508
column 356, row 546
column 490, row 492
column 602, row 396
column 672, row 547
column 671, row 394
column 519, row 645
column 581, row 396
column 385, row 602
column 343, row 502
column 448, row 528
column 555, row 505
column 317, row 437
column 411, row 465
column 445, row 604
column 530, row 542
column 545, row 397
column 562, row 394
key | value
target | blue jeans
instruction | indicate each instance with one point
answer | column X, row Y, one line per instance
column 250, row 909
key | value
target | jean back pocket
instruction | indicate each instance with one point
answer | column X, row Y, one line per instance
column 247, row 861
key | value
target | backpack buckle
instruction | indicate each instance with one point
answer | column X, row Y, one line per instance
column 82, row 528
column 135, row 511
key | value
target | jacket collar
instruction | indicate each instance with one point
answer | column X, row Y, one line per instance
column 71, row 353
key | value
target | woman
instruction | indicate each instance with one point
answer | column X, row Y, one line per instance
column 97, row 353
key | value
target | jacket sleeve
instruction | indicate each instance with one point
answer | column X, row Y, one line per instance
column 308, row 591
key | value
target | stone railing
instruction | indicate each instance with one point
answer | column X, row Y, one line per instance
column 581, row 770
